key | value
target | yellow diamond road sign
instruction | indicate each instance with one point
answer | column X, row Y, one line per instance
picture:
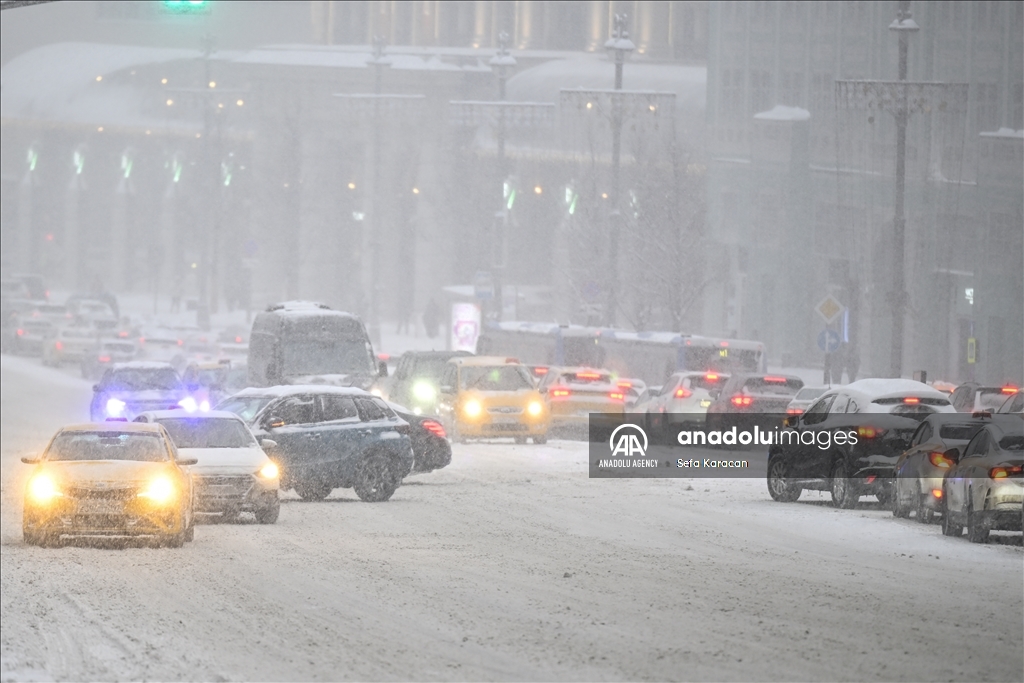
column 829, row 308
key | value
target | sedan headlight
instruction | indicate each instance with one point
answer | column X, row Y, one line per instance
column 424, row 392
column 472, row 408
column 161, row 491
column 115, row 407
column 269, row 471
column 42, row 489
column 535, row 408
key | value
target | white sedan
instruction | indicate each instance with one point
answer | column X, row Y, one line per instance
column 233, row 474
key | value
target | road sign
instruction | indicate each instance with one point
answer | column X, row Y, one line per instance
column 829, row 341
column 829, row 309
column 483, row 285
column 972, row 350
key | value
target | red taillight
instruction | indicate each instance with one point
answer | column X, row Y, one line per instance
column 869, row 432
column 940, row 460
column 181, row 342
column 616, row 396
column 1010, row 389
column 937, row 493
column 794, row 411
column 21, row 333
column 588, row 375
column 59, row 345
column 711, row 377
column 104, row 359
column 238, row 340
column 871, row 478
column 540, row 371
column 434, row 427
column 683, row 392
column 741, row 401
column 625, row 385
column 142, row 340
column 775, row 380
column 912, row 400
column 559, row 392
column 1005, row 471
column 122, row 335
column 725, row 343
column 380, row 356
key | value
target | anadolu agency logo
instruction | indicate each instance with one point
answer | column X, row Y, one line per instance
column 628, row 445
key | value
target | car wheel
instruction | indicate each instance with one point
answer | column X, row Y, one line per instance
column 843, row 495
column 540, row 440
column 519, row 439
column 898, row 509
column 925, row 515
column 949, row 525
column 312, row 490
column 779, row 487
column 375, row 479
column 269, row 513
column 977, row 529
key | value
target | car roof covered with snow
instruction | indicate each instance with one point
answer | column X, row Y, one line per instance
column 893, row 388
column 142, row 365
column 182, row 413
column 293, row 389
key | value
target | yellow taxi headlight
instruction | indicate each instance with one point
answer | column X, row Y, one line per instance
column 472, row 408
column 535, row 408
column 161, row 490
column 269, row 471
column 42, row 489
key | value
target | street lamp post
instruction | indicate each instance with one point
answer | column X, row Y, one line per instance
column 502, row 63
column 379, row 61
column 619, row 46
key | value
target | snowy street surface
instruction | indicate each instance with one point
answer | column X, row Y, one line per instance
column 509, row 564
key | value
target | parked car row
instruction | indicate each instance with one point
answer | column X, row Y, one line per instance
column 914, row 452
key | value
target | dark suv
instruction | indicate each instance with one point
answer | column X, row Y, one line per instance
column 325, row 437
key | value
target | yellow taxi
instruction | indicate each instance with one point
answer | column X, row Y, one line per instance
column 573, row 393
column 111, row 479
column 491, row 396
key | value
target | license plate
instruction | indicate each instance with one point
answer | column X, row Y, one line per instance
column 504, row 420
column 99, row 507
column 705, row 402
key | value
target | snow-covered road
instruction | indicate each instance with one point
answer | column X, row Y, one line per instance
column 509, row 564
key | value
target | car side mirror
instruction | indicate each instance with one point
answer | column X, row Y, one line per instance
column 30, row 461
column 382, row 369
column 953, row 454
column 791, row 421
column 187, row 461
column 272, row 421
column 268, row 444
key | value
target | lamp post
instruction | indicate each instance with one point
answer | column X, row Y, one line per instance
column 501, row 63
column 379, row 61
column 619, row 47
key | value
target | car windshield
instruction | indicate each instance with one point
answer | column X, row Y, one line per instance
column 809, row 393
column 245, row 407
column 496, row 378
column 143, row 379
column 207, row 432
column 108, row 445
column 327, row 357
column 960, row 432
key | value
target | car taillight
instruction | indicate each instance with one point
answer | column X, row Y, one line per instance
column 104, row 359
column 559, row 392
column 181, row 342
column 741, row 401
column 1010, row 389
column 794, row 411
column 625, row 385
column 21, row 333
column 540, row 371
column 238, row 340
column 683, row 392
column 1005, row 471
column 940, row 460
column 711, row 377
column 59, row 345
column 869, row 432
column 616, row 396
column 911, row 400
column 122, row 334
column 434, row 427
column 937, row 493
column 775, row 380
column 588, row 375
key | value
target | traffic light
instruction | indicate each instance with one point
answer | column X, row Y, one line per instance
column 187, row 6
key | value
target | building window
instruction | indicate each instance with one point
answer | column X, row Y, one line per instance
column 760, row 90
